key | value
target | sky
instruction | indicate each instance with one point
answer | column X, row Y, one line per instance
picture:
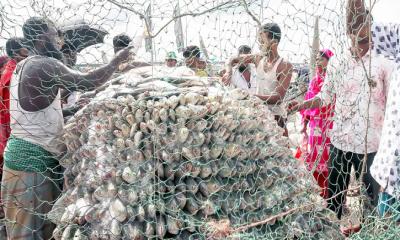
column 223, row 31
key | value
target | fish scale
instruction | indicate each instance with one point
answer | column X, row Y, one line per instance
column 171, row 163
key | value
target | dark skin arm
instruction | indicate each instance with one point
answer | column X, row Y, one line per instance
column 132, row 65
column 70, row 111
column 246, row 59
column 42, row 78
column 356, row 16
column 305, row 124
column 284, row 70
column 295, row 106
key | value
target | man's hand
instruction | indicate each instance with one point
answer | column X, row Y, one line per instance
column 234, row 61
column 226, row 78
column 82, row 102
column 293, row 106
column 123, row 55
column 304, row 131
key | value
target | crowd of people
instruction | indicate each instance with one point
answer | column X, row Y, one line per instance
column 349, row 115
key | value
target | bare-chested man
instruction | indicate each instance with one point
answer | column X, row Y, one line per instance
column 29, row 186
column 273, row 73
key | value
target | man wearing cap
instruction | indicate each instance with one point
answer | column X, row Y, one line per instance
column 171, row 60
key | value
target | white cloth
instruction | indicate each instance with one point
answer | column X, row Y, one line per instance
column 72, row 99
column 239, row 81
column 349, row 90
column 43, row 127
column 386, row 166
column 267, row 83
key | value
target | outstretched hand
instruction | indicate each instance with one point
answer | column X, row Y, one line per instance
column 293, row 106
column 226, row 78
column 124, row 55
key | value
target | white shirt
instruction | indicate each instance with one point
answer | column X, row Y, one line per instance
column 386, row 166
column 43, row 127
column 72, row 99
column 349, row 86
column 239, row 81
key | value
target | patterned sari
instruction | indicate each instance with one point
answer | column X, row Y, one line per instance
column 320, row 122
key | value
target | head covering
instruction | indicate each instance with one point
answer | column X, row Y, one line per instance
column 171, row 55
column 327, row 53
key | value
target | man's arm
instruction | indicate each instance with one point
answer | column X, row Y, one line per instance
column 54, row 73
column 284, row 78
column 295, row 106
column 323, row 98
column 245, row 59
column 131, row 65
column 70, row 111
column 356, row 15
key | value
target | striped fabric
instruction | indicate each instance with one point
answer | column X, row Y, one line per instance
column 21, row 155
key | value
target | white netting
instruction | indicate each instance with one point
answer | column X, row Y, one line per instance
column 179, row 152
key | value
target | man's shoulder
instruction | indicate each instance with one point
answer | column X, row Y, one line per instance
column 40, row 63
column 285, row 66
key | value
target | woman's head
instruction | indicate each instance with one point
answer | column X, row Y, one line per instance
column 323, row 58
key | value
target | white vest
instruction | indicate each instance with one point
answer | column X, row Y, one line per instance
column 42, row 127
column 267, row 83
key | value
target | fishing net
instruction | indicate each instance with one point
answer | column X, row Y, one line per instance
column 176, row 152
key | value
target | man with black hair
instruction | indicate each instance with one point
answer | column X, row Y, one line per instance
column 193, row 60
column 273, row 73
column 120, row 42
column 191, row 55
column 244, row 75
column 30, row 172
column 385, row 168
column 359, row 88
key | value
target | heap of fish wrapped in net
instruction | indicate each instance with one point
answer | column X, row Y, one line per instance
column 161, row 158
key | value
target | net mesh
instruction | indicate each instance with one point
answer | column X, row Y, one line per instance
column 192, row 144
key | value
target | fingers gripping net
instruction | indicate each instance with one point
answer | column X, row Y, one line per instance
column 155, row 156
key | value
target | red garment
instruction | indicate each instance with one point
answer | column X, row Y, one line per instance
column 313, row 89
column 5, row 80
column 320, row 122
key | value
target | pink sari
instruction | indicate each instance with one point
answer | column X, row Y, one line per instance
column 320, row 122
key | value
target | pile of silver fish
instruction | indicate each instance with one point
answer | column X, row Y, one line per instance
column 160, row 158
